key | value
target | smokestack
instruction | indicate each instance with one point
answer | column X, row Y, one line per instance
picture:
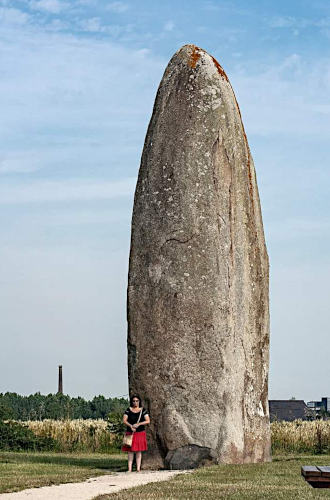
column 60, row 380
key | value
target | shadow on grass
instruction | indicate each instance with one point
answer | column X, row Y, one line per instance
column 301, row 457
column 112, row 463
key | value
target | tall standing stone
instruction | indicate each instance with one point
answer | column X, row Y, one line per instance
column 198, row 317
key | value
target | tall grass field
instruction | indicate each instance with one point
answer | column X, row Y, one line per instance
column 94, row 435
column 76, row 435
column 301, row 436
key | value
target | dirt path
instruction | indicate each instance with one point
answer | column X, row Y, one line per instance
column 92, row 487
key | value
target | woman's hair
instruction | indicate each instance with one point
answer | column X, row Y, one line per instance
column 135, row 396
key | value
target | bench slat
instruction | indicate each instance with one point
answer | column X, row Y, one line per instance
column 310, row 470
column 316, row 476
column 325, row 470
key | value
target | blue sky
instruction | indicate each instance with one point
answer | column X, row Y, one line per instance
column 78, row 82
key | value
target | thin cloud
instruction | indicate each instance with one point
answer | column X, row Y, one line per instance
column 11, row 16
column 19, row 162
column 117, row 7
column 63, row 191
column 282, row 22
column 95, row 25
column 92, row 25
column 298, row 22
column 78, row 108
column 60, row 216
column 169, row 26
column 211, row 6
column 50, row 6
column 284, row 99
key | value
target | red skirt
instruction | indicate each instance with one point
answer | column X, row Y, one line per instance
column 139, row 442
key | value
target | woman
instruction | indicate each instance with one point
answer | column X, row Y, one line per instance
column 136, row 418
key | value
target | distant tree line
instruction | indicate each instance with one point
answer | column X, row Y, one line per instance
column 57, row 406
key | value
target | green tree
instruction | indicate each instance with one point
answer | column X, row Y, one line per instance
column 6, row 413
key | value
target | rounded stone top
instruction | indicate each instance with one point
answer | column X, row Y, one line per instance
column 204, row 89
column 198, row 58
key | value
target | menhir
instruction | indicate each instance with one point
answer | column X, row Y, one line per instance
column 198, row 312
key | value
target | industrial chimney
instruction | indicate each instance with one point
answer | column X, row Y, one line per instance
column 60, row 380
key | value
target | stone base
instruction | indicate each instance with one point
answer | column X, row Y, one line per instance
column 152, row 461
column 189, row 457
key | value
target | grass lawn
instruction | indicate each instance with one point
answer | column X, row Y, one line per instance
column 27, row 470
column 278, row 480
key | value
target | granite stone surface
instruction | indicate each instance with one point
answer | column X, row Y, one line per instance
column 198, row 307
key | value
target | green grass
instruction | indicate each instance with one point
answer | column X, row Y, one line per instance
column 279, row 480
column 28, row 470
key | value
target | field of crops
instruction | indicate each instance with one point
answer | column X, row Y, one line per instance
column 93, row 435
column 76, row 435
column 301, row 436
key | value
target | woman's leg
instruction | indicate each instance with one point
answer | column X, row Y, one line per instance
column 138, row 460
column 130, row 460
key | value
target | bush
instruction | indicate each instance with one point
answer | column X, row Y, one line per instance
column 17, row 437
column 116, row 427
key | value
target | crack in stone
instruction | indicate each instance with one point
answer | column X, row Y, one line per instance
column 178, row 241
column 216, row 146
column 223, row 220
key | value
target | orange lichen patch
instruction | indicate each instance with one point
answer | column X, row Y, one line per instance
column 250, row 182
column 250, row 176
column 194, row 57
column 239, row 112
column 221, row 71
column 223, row 74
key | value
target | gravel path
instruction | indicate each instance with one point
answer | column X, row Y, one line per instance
column 92, row 487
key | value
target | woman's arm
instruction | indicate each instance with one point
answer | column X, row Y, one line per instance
column 128, row 424
column 146, row 422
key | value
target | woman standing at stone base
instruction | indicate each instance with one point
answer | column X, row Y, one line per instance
column 136, row 418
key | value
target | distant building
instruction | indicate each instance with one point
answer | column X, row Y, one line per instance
column 287, row 409
column 318, row 406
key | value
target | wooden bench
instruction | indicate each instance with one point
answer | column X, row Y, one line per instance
column 316, row 476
